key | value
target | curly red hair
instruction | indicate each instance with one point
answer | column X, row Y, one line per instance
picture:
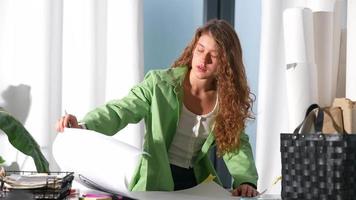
column 235, row 97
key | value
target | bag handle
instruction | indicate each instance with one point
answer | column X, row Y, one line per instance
column 316, row 122
column 319, row 119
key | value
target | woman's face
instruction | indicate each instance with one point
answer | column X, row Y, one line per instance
column 205, row 57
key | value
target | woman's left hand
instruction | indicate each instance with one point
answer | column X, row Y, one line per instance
column 245, row 190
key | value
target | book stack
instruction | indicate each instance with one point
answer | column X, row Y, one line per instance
column 31, row 181
column 51, row 185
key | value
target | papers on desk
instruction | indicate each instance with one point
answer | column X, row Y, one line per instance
column 203, row 191
column 101, row 159
column 17, row 181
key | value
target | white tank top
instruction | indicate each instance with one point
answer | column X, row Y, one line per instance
column 190, row 136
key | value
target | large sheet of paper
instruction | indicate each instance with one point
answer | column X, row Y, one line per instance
column 298, row 35
column 110, row 163
column 99, row 158
column 203, row 191
column 351, row 50
column 301, row 91
column 339, row 48
column 301, row 70
column 324, row 41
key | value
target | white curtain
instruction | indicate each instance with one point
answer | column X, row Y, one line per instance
column 302, row 61
column 68, row 55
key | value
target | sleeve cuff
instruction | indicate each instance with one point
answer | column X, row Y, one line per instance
column 250, row 184
column 82, row 125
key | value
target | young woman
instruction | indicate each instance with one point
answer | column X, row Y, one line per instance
column 202, row 101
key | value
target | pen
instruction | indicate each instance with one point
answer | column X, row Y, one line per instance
column 69, row 125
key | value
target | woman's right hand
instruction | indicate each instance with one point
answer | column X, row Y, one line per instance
column 68, row 120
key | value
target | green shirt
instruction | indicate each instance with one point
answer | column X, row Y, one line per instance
column 158, row 100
